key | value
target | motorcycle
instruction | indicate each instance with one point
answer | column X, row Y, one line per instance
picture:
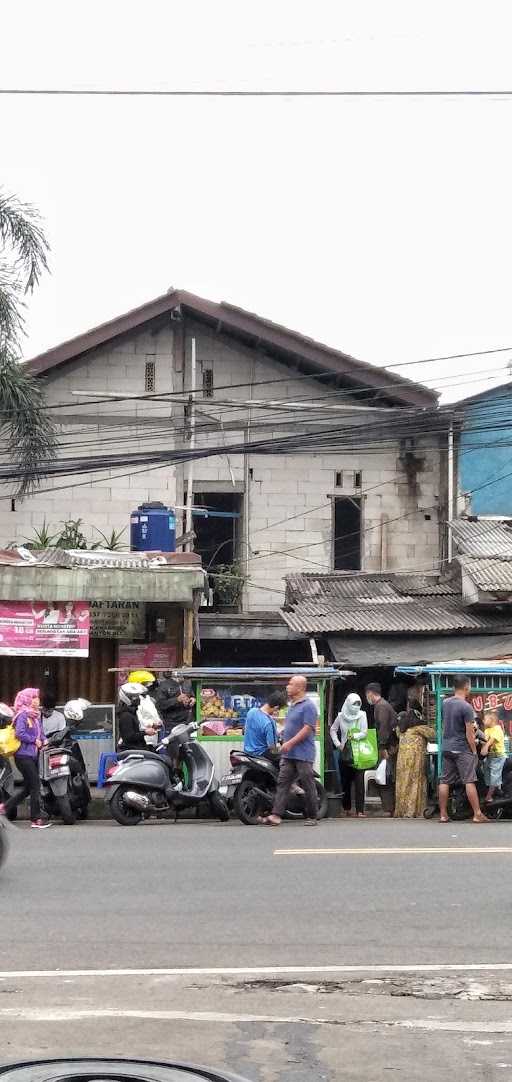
column 159, row 783
column 500, row 807
column 4, row 845
column 251, row 788
column 7, row 784
column 65, row 789
column 459, row 808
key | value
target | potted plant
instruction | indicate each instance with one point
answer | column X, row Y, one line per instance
column 228, row 585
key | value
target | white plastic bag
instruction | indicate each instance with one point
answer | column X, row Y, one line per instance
column 147, row 714
column 380, row 773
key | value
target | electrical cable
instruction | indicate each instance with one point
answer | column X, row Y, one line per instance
column 110, row 92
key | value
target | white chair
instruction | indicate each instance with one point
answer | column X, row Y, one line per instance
column 369, row 775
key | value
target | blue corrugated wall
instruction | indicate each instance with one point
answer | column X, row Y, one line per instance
column 485, row 453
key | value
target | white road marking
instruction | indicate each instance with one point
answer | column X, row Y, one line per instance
column 55, row 1015
column 413, row 850
column 260, row 971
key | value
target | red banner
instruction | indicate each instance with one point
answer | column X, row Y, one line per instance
column 44, row 628
column 152, row 655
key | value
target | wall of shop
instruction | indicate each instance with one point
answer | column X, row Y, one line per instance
column 290, row 499
column 287, row 500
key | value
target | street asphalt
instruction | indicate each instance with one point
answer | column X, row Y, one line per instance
column 310, row 947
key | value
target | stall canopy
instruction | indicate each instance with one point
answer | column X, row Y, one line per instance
column 312, row 672
column 374, row 650
column 491, row 668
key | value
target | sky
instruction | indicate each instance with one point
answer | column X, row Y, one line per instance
column 382, row 227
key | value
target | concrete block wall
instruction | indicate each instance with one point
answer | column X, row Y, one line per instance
column 290, row 496
column 103, row 500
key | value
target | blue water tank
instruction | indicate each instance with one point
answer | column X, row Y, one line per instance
column 153, row 528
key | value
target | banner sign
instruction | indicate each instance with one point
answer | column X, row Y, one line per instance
column 498, row 701
column 44, row 628
column 118, row 620
column 152, row 655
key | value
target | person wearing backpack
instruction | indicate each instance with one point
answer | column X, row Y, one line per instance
column 29, row 731
column 350, row 724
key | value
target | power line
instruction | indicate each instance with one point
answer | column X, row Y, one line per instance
column 110, row 92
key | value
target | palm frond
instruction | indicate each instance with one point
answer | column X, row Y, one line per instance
column 30, row 432
column 20, row 227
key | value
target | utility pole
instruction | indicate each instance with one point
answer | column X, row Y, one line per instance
column 192, row 442
column 450, row 493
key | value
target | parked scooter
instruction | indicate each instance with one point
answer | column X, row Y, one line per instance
column 251, row 788
column 179, row 774
column 500, row 807
column 65, row 792
column 4, row 845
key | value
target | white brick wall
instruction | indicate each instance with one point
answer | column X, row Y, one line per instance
column 294, row 488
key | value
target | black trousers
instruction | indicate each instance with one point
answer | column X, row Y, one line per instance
column 350, row 776
column 30, row 773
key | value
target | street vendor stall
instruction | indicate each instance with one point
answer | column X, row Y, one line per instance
column 491, row 689
column 224, row 695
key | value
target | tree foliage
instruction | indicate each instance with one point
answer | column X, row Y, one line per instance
column 25, row 426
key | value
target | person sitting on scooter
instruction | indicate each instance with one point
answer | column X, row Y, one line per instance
column 131, row 735
column 53, row 720
column 260, row 733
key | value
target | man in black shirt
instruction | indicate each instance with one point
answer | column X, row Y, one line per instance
column 385, row 723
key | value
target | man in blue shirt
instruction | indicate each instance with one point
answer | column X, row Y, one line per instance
column 260, row 734
column 297, row 753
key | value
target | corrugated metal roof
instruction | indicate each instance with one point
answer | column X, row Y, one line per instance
column 408, row 615
column 366, row 585
column 383, row 603
column 483, row 539
column 490, row 576
column 98, row 559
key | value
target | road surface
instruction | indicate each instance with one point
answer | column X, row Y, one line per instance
column 351, row 950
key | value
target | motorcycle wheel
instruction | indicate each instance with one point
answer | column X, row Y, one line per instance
column 323, row 803
column 296, row 809
column 121, row 812
column 66, row 811
column 4, row 845
column 459, row 810
column 430, row 811
column 218, row 807
column 246, row 804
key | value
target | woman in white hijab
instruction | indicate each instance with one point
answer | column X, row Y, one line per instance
column 350, row 724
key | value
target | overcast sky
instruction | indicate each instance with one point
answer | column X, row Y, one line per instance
column 380, row 226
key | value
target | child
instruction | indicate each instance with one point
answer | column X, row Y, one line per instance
column 495, row 740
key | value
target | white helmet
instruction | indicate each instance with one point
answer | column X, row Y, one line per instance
column 74, row 709
column 129, row 694
column 6, row 715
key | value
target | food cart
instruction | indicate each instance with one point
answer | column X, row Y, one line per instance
column 491, row 689
column 224, row 695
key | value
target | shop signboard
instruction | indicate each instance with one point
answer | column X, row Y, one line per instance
column 44, row 628
column 157, row 656
column 498, row 701
column 118, row 620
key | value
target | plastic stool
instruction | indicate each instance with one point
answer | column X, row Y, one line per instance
column 369, row 775
column 106, row 759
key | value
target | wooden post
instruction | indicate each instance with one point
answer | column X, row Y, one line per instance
column 188, row 636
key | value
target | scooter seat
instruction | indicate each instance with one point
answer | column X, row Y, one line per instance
column 139, row 751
